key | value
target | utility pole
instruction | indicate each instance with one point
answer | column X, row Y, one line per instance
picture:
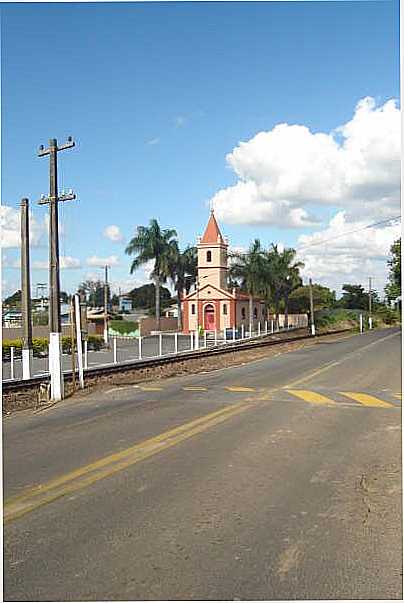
column 313, row 328
column 55, row 351
column 106, row 306
column 25, row 293
column 370, row 303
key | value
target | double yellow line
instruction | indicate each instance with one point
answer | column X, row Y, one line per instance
column 84, row 476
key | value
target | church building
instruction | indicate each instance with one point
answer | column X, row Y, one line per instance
column 212, row 305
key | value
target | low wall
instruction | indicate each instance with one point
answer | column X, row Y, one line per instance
column 149, row 324
column 42, row 331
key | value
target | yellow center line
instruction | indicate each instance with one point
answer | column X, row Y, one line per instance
column 330, row 365
column 84, row 476
column 151, row 388
column 367, row 400
column 195, row 388
column 236, row 388
column 311, row 397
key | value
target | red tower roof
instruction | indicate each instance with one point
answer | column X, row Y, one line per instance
column 212, row 232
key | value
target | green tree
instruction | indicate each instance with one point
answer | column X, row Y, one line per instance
column 145, row 297
column 299, row 300
column 393, row 287
column 94, row 291
column 153, row 243
column 284, row 277
column 250, row 271
column 354, row 297
column 183, row 272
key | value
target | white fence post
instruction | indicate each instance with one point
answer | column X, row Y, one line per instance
column 192, row 340
column 197, row 338
column 175, row 343
column 79, row 340
column 272, row 326
column 85, row 353
column 259, row 328
column 114, row 349
column 360, row 323
column 242, row 331
column 139, row 339
column 234, row 333
column 160, row 344
column 12, row 362
column 215, row 336
column 224, row 336
column 370, row 322
column 266, row 327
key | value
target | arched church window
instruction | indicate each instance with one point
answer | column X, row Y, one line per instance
column 243, row 313
column 255, row 313
column 192, row 308
column 225, row 309
column 209, row 256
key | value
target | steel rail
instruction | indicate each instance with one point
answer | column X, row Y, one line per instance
column 121, row 367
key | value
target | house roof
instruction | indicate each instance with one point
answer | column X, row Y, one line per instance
column 212, row 232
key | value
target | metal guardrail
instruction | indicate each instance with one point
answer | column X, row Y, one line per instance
column 224, row 348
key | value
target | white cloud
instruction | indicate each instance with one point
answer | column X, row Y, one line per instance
column 284, row 173
column 10, row 228
column 113, row 233
column 67, row 262
column 153, row 141
column 332, row 259
column 98, row 262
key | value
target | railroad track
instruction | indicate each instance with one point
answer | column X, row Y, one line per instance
column 111, row 369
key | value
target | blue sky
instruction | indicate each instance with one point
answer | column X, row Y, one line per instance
column 157, row 94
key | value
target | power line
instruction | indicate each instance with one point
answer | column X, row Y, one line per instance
column 348, row 233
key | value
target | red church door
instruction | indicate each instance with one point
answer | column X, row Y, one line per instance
column 210, row 324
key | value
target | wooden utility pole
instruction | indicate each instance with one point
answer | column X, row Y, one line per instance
column 106, row 306
column 55, row 365
column 25, row 293
column 313, row 328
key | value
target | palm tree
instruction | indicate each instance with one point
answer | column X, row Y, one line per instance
column 283, row 274
column 153, row 243
column 183, row 273
column 250, row 271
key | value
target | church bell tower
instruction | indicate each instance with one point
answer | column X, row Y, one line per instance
column 212, row 256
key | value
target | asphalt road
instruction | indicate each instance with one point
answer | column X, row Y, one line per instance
column 278, row 479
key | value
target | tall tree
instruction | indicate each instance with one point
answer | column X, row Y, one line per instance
column 249, row 269
column 284, row 276
column 354, row 297
column 299, row 300
column 153, row 243
column 393, row 287
column 183, row 272
column 94, row 291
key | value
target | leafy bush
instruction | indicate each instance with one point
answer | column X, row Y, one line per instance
column 40, row 345
column 125, row 326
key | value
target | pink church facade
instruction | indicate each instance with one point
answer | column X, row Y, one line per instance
column 211, row 305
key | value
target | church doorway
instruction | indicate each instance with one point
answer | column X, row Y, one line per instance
column 209, row 318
